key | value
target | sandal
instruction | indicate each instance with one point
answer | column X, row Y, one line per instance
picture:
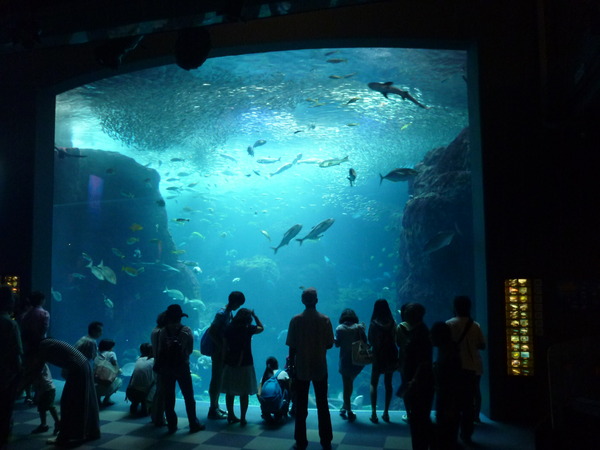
column 343, row 414
column 386, row 417
column 232, row 419
column 374, row 418
column 351, row 416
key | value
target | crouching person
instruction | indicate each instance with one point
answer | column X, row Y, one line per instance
column 274, row 392
column 142, row 384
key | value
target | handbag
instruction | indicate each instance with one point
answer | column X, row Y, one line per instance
column 207, row 344
column 104, row 371
column 361, row 353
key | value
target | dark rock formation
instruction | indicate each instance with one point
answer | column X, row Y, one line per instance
column 108, row 207
column 437, row 236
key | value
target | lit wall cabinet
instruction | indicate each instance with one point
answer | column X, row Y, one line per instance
column 522, row 298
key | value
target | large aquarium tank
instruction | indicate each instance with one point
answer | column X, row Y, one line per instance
column 345, row 169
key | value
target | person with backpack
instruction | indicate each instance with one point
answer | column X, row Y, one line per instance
column 274, row 392
column 468, row 336
column 239, row 377
column 347, row 332
column 172, row 362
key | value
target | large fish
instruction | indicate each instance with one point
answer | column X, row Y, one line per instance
column 109, row 274
column 401, row 174
column 96, row 270
column 438, row 241
column 268, row 160
column 283, row 168
column 310, row 161
column 174, row 294
column 388, row 88
column 333, row 162
column 288, row 236
column 317, row 232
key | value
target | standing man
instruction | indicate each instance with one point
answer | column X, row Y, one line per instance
column 11, row 352
column 172, row 361
column 310, row 335
column 469, row 338
column 217, row 333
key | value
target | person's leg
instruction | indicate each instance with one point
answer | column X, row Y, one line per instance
column 373, row 392
column 184, row 379
column 387, row 382
column 301, row 387
column 158, row 403
column 469, row 380
column 243, row 408
column 347, row 392
column 214, row 389
column 168, row 385
column 325, row 431
column 231, row 418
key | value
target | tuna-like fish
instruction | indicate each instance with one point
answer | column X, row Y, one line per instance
column 333, row 162
column 229, row 157
column 317, row 232
column 288, row 236
column 401, row 174
column 310, row 161
column 388, row 88
column 268, row 160
column 438, row 241
column 283, row 168
column 259, row 143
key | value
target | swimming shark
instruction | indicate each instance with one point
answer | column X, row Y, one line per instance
column 388, row 88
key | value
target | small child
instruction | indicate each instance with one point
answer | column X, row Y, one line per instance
column 274, row 392
column 45, row 392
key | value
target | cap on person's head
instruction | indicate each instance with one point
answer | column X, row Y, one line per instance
column 309, row 296
column 174, row 312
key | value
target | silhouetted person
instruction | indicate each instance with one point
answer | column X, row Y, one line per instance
column 446, row 371
column 35, row 322
column 310, row 335
column 347, row 332
column 274, row 407
column 142, row 384
column 158, row 403
column 87, row 344
column 417, row 377
column 469, row 338
column 10, row 362
column 45, row 393
column 175, row 344
column 105, row 351
column 80, row 420
column 239, row 377
column 382, row 337
column 217, row 333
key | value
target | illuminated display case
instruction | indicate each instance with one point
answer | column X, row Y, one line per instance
column 522, row 297
column 12, row 281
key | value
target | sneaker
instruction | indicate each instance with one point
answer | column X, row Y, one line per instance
column 216, row 414
column 40, row 429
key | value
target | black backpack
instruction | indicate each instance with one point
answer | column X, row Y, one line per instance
column 171, row 352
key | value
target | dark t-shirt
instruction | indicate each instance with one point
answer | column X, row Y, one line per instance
column 239, row 345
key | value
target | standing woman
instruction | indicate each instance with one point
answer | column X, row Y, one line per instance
column 347, row 332
column 239, row 377
column 382, row 337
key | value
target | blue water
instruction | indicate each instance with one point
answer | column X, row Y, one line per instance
column 299, row 103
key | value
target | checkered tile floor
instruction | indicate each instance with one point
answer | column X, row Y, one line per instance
column 122, row 431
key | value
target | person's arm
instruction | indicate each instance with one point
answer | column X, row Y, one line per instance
column 259, row 325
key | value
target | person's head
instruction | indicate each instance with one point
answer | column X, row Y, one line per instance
column 272, row 363
column 106, row 345
column 382, row 311
column 95, row 329
column 235, row 300
column 440, row 334
column 462, row 306
column 7, row 299
column 161, row 319
column 309, row 297
column 146, row 349
column 348, row 316
column 37, row 298
column 243, row 317
column 173, row 314
column 414, row 313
